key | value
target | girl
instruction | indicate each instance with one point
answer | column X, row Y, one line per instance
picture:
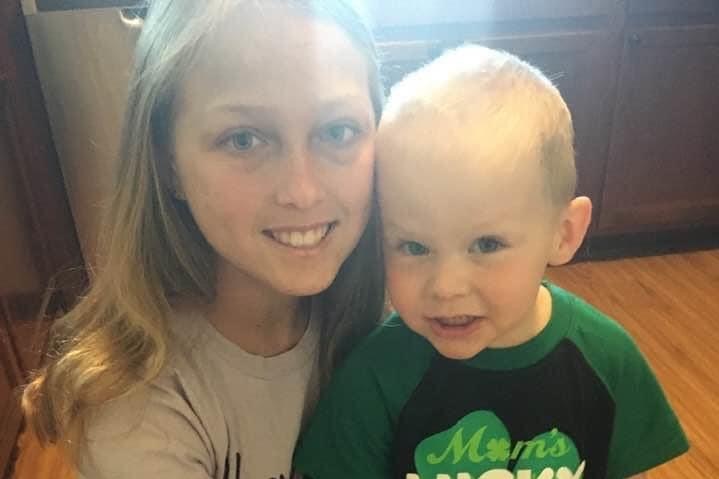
column 240, row 240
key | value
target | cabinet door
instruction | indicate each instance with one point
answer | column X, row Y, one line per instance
column 581, row 64
column 20, row 291
column 663, row 169
column 38, row 245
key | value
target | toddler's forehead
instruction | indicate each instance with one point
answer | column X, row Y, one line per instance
column 437, row 165
column 442, row 169
column 471, row 145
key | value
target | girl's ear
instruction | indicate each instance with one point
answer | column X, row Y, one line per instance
column 573, row 225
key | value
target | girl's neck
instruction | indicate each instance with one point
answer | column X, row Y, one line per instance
column 254, row 316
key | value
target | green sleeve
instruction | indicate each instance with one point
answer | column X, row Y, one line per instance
column 352, row 432
column 350, row 435
column 647, row 433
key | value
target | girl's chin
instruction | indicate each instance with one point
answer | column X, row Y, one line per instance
column 306, row 286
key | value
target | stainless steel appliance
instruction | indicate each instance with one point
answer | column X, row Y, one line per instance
column 83, row 52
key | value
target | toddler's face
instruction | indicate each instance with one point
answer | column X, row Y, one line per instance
column 466, row 240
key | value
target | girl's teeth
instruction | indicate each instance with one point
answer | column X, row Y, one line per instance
column 310, row 237
column 298, row 239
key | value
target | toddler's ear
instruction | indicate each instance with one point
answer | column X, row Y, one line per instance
column 573, row 225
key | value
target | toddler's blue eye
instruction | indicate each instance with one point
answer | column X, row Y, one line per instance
column 412, row 248
column 486, row 244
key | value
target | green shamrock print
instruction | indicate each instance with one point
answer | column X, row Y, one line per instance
column 480, row 442
column 498, row 449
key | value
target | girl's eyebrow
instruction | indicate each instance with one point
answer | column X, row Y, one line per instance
column 241, row 108
column 342, row 102
column 329, row 105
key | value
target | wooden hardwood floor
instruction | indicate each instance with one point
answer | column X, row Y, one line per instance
column 670, row 304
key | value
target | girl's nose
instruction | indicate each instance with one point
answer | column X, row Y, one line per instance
column 301, row 187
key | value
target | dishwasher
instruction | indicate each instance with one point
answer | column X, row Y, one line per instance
column 83, row 54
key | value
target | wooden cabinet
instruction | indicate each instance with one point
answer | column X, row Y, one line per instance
column 663, row 167
column 38, row 246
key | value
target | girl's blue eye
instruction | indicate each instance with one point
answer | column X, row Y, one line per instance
column 339, row 134
column 242, row 141
column 486, row 244
column 412, row 248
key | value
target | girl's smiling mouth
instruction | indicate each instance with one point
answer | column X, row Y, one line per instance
column 301, row 237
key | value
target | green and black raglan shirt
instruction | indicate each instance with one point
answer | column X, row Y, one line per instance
column 577, row 401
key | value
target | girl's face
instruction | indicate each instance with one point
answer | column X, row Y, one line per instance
column 274, row 146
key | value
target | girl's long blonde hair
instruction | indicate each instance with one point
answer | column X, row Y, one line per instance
column 116, row 338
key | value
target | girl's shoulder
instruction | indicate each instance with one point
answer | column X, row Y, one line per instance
column 164, row 425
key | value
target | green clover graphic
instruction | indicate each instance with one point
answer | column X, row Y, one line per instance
column 498, row 449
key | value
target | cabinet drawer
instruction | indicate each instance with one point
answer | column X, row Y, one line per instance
column 663, row 168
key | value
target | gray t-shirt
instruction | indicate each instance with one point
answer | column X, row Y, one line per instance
column 216, row 412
